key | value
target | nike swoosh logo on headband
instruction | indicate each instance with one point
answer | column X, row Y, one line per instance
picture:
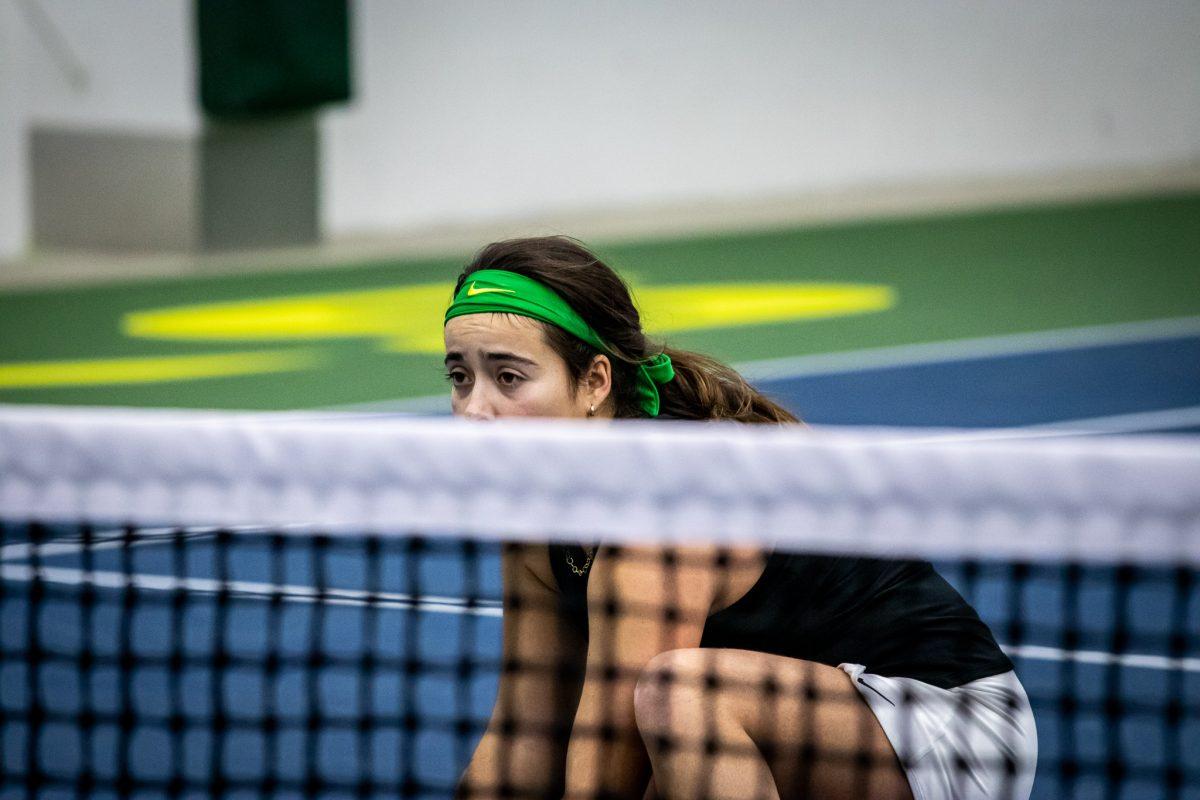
column 472, row 291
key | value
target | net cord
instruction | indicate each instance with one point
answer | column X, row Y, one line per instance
column 1097, row 499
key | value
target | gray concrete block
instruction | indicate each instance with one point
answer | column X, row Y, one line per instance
column 229, row 186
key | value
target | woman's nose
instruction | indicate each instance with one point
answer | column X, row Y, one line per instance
column 478, row 405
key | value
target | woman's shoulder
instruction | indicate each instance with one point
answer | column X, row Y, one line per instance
column 532, row 559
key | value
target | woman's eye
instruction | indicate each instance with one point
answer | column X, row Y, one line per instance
column 456, row 377
column 508, row 378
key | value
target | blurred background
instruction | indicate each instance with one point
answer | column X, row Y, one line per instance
column 927, row 213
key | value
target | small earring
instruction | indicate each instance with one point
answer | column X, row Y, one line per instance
column 592, row 410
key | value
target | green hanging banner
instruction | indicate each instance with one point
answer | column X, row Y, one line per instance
column 263, row 57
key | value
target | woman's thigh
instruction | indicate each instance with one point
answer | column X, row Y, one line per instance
column 806, row 720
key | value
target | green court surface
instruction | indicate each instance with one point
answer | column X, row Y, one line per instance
column 369, row 332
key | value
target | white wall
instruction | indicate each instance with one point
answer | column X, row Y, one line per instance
column 468, row 110
column 14, row 221
column 138, row 61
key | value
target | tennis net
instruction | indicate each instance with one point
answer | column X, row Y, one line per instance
column 284, row 606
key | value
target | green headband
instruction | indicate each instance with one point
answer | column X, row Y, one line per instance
column 509, row 293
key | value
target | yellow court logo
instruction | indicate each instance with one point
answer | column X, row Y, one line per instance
column 289, row 333
column 472, row 291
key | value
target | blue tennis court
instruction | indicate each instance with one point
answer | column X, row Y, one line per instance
column 343, row 716
column 1054, row 386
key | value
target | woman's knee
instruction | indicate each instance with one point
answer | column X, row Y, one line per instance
column 688, row 688
column 670, row 690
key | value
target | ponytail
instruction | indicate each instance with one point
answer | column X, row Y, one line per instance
column 705, row 388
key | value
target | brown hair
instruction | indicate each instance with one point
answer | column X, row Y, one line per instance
column 703, row 388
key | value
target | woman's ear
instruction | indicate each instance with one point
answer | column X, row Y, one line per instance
column 597, row 382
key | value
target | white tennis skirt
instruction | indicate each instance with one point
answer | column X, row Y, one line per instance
column 971, row 742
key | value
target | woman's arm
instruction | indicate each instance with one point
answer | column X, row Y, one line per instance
column 523, row 751
column 641, row 602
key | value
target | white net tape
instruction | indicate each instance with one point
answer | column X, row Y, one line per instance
column 885, row 493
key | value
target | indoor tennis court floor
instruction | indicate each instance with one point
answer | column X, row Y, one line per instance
column 1054, row 320
column 1101, row 382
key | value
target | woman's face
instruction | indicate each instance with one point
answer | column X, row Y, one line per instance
column 500, row 365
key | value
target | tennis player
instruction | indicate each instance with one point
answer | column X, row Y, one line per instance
column 692, row 672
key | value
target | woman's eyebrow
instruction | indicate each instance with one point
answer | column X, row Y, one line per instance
column 454, row 355
column 501, row 356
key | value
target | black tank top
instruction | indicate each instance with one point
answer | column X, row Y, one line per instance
column 896, row 618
